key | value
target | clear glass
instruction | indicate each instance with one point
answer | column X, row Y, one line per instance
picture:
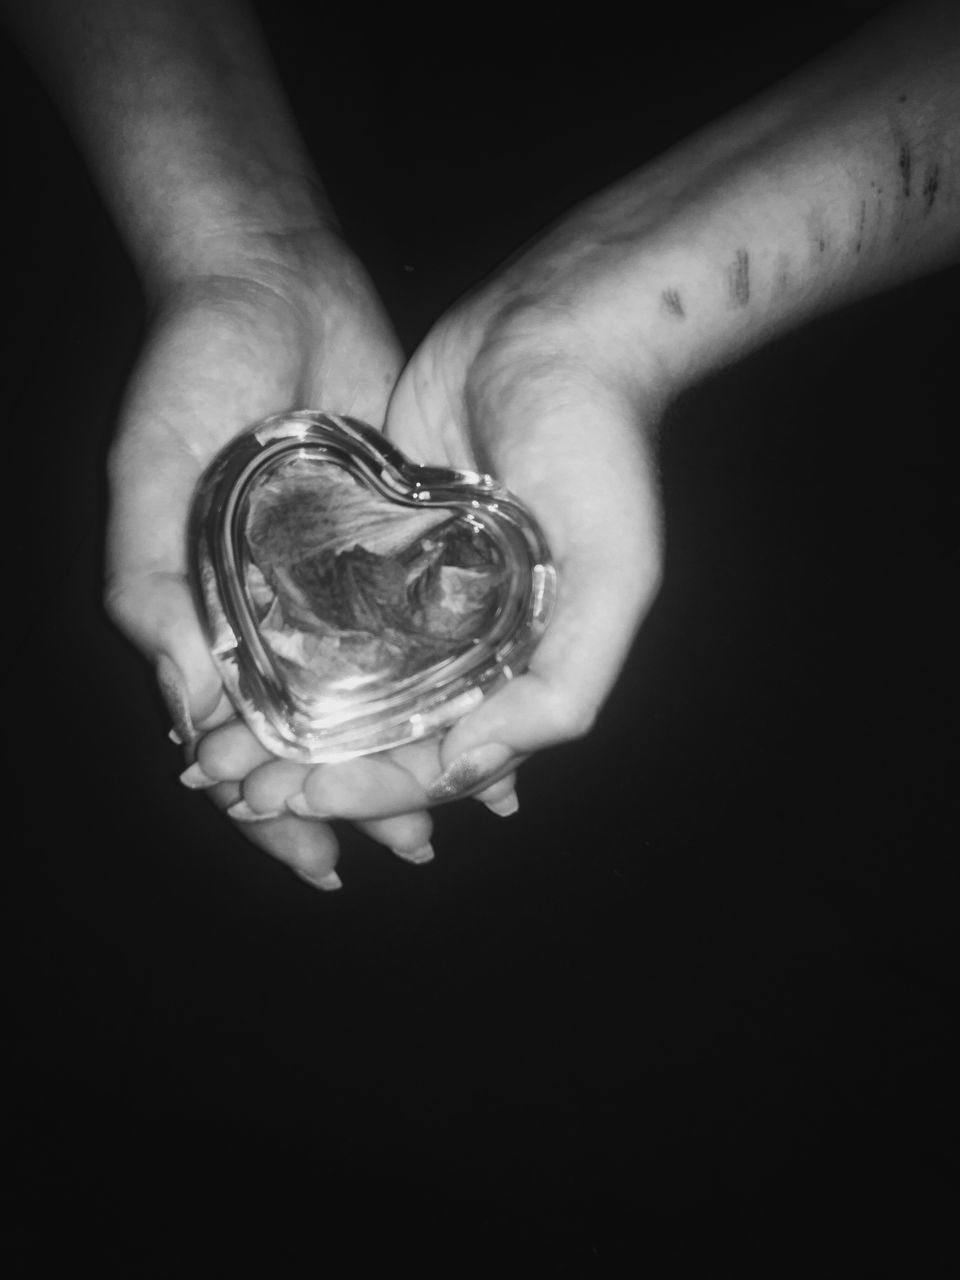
column 353, row 600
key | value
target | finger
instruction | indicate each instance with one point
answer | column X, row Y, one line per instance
column 497, row 790
column 369, row 787
column 309, row 849
column 156, row 612
column 407, row 835
column 501, row 797
column 600, row 511
column 227, row 753
column 270, row 786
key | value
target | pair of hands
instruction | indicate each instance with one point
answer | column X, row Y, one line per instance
column 508, row 382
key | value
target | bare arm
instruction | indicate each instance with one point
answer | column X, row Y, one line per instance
column 257, row 305
column 838, row 182
column 178, row 112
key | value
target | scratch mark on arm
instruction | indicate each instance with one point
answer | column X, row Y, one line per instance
column 931, row 184
column 673, row 303
column 782, row 275
column 738, row 275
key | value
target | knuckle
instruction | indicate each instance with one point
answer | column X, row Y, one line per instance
column 571, row 719
column 118, row 606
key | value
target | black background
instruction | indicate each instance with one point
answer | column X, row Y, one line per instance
column 691, row 1009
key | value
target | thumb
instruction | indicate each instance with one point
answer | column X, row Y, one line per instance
column 156, row 612
column 585, row 469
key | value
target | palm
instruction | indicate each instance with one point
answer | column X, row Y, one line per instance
column 216, row 363
column 515, row 398
column 569, row 441
column 213, row 366
column 572, row 447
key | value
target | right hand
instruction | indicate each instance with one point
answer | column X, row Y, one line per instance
column 270, row 332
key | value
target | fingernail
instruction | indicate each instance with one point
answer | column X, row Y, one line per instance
column 298, row 804
column 503, row 808
column 175, row 737
column 417, row 856
column 327, row 882
column 196, row 779
column 469, row 770
column 241, row 812
column 173, row 690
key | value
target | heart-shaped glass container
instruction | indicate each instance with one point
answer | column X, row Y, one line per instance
column 353, row 600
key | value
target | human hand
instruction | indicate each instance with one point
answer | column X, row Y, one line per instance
column 554, row 375
column 526, row 380
column 295, row 323
column 510, row 385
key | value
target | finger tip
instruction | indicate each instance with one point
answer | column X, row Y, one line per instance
column 241, row 811
column 195, row 778
column 417, row 857
column 504, row 807
column 325, row 881
column 468, row 771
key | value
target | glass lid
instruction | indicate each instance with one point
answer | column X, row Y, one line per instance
column 354, row 600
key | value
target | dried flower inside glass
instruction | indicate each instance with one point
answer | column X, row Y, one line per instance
column 353, row 600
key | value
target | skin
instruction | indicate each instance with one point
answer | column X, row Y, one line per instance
column 256, row 304
column 553, row 375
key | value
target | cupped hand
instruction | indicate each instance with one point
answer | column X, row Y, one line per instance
column 289, row 325
column 537, row 387
column 543, row 397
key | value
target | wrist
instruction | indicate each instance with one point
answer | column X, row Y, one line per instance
column 209, row 229
column 833, row 185
column 306, row 268
column 680, row 269
column 301, row 301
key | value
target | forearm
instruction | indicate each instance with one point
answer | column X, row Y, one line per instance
column 182, row 122
column 841, row 181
